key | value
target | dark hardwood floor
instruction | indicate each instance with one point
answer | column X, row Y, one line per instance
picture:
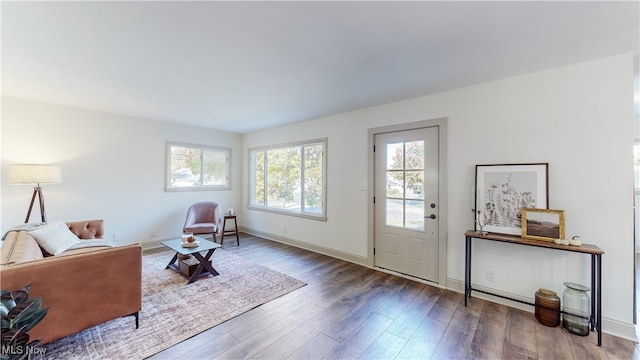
column 348, row 311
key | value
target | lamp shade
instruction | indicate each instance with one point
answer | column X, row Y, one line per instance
column 35, row 174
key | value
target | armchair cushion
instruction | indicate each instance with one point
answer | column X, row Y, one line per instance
column 202, row 228
column 203, row 218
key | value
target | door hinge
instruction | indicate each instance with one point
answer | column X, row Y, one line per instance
column 374, row 251
column 374, row 148
column 374, row 199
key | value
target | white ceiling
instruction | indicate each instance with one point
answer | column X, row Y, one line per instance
column 245, row 66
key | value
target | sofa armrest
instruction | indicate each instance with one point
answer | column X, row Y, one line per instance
column 81, row 290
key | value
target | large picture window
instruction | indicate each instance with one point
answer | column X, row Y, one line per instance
column 290, row 178
column 197, row 167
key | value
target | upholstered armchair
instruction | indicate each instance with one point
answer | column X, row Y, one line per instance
column 203, row 218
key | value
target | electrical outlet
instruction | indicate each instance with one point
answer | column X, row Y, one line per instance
column 153, row 233
column 491, row 275
column 284, row 230
column 116, row 238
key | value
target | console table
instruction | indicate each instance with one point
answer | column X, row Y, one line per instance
column 596, row 270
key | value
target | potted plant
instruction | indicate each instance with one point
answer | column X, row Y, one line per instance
column 19, row 315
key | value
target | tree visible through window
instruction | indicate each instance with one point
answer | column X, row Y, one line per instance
column 405, row 185
column 195, row 167
column 289, row 178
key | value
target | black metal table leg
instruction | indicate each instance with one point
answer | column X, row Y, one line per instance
column 203, row 265
column 173, row 261
column 599, row 297
column 594, row 291
column 596, row 295
column 467, row 269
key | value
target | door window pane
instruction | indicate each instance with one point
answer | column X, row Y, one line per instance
column 414, row 153
column 395, row 156
column 415, row 184
column 395, row 213
column 395, row 184
column 414, row 212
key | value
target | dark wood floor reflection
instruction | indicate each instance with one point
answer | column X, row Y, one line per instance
column 349, row 311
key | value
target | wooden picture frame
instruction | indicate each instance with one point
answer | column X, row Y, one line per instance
column 542, row 224
column 502, row 190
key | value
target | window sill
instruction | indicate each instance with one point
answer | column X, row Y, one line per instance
column 289, row 213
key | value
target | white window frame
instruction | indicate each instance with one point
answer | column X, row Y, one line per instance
column 322, row 216
column 201, row 148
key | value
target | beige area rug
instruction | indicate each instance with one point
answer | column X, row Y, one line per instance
column 173, row 311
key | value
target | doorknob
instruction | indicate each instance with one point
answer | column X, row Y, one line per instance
column 432, row 216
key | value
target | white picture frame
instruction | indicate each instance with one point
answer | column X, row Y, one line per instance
column 502, row 190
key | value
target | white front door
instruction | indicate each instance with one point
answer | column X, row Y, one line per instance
column 406, row 202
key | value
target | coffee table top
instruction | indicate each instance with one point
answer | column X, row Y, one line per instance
column 176, row 245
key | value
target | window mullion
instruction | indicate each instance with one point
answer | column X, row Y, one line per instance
column 266, row 179
column 201, row 167
column 404, row 184
column 302, row 174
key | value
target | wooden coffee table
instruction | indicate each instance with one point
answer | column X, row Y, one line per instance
column 204, row 267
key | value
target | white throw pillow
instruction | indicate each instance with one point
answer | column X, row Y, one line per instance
column 55, row 238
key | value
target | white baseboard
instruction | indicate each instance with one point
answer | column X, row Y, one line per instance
column 609, row 326
column 148, row 245
column 360, row 260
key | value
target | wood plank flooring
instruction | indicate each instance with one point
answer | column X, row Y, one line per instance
column 348, row 311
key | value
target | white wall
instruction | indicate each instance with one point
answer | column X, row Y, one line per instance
column 578, row 118
column 113, row 168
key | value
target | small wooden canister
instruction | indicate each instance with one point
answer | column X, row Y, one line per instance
column 547, row 307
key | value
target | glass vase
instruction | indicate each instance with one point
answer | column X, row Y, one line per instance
column 576, row 309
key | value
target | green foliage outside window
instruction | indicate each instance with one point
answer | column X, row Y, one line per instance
column 289, row 178
column 197, row 167
column 407, row 170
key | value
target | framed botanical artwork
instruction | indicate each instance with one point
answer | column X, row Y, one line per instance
column 501, row 191
column 542, row 224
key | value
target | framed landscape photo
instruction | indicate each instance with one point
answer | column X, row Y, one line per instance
column 542, row 224
column 501, row 191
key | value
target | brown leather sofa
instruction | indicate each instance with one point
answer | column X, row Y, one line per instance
column 82, row 287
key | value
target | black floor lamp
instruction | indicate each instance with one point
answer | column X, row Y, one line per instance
column 35, row 175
